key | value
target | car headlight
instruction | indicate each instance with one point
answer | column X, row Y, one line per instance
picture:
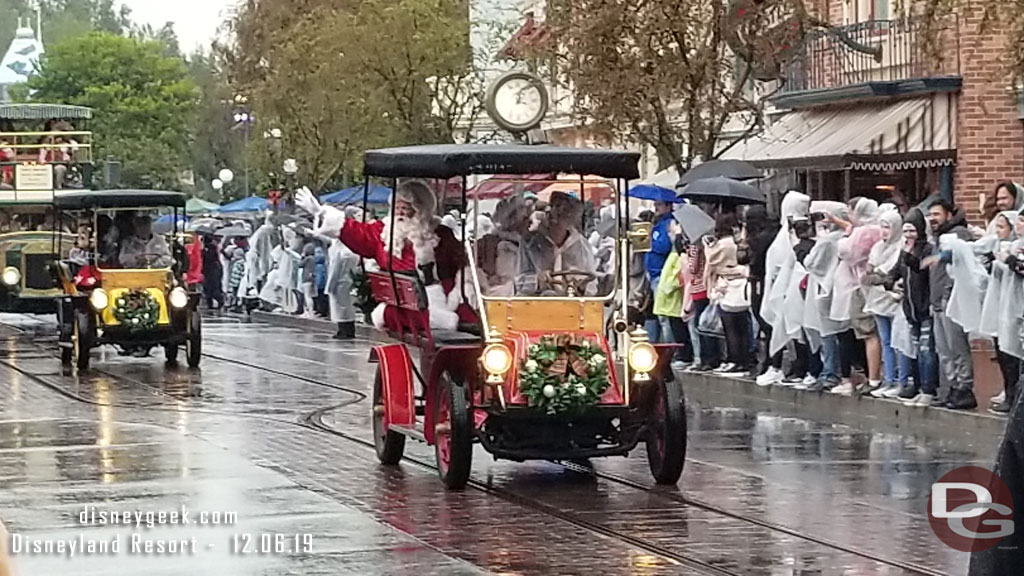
column 11, row 276
column 642, row 357
column 178, row 298
column 99, row 299
column 497, row 359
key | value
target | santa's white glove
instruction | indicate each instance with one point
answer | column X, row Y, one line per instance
column 327, row 220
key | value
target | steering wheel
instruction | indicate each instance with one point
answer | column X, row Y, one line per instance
column 574, row 280
column 149, row 257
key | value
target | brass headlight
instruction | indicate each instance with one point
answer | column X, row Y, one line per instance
column 11, row 276
column 178, row 298
column 642, row 357
column 99, row 299
column 497, row 359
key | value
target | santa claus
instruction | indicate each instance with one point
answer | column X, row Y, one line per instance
column 414, row 240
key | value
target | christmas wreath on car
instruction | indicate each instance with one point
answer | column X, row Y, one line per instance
column 137, row 309
column 563, row 374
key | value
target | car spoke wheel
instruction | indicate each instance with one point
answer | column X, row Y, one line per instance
column 453, row 433
column 390, row 445
column 666, row 438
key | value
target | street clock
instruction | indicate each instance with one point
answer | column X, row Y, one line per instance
column 517, row 101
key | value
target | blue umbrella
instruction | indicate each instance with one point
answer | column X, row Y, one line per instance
column 354, row 195
column 656, row 193
column 250, row 204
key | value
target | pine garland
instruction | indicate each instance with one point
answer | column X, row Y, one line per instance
column 562, row 374
column 137, row 309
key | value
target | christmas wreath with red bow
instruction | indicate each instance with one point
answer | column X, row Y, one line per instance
column 137, row 310
column 564, row 374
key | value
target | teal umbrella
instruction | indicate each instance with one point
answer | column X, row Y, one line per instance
column 199, row 206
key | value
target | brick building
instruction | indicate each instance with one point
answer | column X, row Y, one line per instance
column 864, row 109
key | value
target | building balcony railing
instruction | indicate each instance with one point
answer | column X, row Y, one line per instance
column 872, row 51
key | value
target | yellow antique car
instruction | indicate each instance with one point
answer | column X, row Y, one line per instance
column 130, row 292
column 27, row 283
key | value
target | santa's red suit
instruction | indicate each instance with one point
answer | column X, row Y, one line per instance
column 367, row 239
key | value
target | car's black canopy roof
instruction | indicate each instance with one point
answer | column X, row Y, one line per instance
column 448, row 160
column 84, row 199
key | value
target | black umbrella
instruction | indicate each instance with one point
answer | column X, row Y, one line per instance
column 721, row 189
column 694, row 222
column 735, row 169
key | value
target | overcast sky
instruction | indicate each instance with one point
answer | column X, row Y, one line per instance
column 195, row 21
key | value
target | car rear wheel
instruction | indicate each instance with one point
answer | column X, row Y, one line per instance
column 453, row 433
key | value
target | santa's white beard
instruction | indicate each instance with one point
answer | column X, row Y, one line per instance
column 417, row 232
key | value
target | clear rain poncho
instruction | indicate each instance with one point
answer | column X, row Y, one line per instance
column 853, row 258
column 821, row 265
column 779, row 264
column 882, row 258
column 1004, row 292
column 970, row 281
column 539, row 253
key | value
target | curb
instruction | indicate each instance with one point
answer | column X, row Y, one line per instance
column 965, row 428
column 972, row 429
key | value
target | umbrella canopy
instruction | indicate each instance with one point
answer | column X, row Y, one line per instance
column 694, row 221
column 233, row 231
column 250, row 204
column 656, row 193
column 199, row 206
column 734, row 169
column 721, row 189
column 354, row 195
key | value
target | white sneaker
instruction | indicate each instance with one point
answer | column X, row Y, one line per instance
column 844, row 389
column 924, row 401
column 772, row 376
column 725, row 368
column 882, row 390
column 893, row 392
column 999, row 398
column 806, row 383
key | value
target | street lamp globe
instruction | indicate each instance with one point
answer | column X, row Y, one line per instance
column 217, row 184
column 226, row 176
column 291, row 166
column 275, row 133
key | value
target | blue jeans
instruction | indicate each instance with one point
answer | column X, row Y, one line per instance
column 830, row 358
column 705, row 349
column 927, row 360
column 652, row 325
column 890, row 370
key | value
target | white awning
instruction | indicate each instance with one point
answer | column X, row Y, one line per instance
column 869, row 136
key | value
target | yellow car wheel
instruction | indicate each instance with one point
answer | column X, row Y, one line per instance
column 82, row 340
column 194, row 342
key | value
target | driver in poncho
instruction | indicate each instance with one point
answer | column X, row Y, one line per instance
column 557, row 246
column 143, row 249
column 422, row 245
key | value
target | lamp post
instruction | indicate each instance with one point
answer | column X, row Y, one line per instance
column 244, row 119
column 273, row 139
column 291, row 168
column 225, row 176
column 218, row 185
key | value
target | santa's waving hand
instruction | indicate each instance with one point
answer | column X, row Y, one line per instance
column 327, row 220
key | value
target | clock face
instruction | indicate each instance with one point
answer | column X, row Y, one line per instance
column 517, row 101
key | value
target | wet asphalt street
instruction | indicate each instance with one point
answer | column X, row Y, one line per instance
column 266, row 449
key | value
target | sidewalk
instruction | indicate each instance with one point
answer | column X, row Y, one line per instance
column 975, row 428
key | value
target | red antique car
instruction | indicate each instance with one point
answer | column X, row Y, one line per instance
column 552, row 370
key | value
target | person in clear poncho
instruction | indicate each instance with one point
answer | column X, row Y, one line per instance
column 779, row 264
column 557, row 246
column 821, row 263
column 883, row 304
column 863, row 232
column 1002, row 297
column 143, row 249
column 498, row 251
column 258, row 260
column 279, row 291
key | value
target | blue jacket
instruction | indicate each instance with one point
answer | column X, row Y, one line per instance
column 661, row 247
